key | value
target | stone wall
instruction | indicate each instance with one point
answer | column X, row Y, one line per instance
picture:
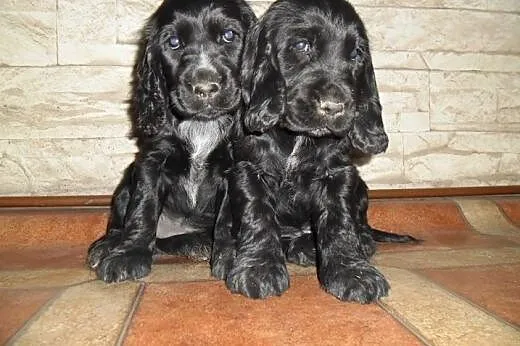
column 448, row 73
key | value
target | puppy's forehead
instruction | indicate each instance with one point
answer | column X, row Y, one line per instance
column 319, row 21
column 201, row 12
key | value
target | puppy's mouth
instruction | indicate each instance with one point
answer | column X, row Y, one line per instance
column 323, row 132
column 209, row 108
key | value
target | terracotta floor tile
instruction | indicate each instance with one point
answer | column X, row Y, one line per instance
column 511, row 208
column 18, row 306
column 416, row 216
column 41, row 227
column 15, row 258
column 496, row 288
column 208, row 314
column 440, row 224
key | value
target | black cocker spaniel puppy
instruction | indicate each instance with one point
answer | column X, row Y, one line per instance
column 186, row 105
column 312, row 106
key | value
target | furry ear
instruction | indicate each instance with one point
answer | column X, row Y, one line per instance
column 151, row 113
column 367, row 133
column 263, row 89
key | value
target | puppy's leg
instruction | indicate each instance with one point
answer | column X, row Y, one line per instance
column 100, row 249
column 343, row 269
column 224, row 247
column 131, row 258
column 259, row 269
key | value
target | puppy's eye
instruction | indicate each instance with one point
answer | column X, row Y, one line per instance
column 228, row 36
column 175, row 42
column 302, row 46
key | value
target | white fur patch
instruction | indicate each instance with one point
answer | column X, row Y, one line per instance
column 205, row 63
column 202, row 138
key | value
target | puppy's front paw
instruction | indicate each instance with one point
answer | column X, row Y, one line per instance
column 99, row 250
column 359, row 282
column 128, row 265
column 222, row 261
column 258, row 278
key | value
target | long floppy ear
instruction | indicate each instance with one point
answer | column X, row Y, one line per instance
column 151, row 114
column 367, row 133
column 263, row 89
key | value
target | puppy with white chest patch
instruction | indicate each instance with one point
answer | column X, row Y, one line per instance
column 186, row 106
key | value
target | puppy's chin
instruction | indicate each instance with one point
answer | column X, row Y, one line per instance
column 313, row 131
column 205, row 110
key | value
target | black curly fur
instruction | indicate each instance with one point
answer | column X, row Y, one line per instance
column 313, row 101
column 185, row 112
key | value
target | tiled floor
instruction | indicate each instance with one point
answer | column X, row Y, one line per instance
column 461, row 286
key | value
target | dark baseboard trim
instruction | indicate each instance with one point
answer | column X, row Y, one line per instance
column 445, row 192
column 104, row 200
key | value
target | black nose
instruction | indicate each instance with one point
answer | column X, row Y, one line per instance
column 331, row 108
column 205, row 83
column 206, row 89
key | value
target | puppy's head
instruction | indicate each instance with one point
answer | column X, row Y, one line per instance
column 307, row 67
column 189, row 66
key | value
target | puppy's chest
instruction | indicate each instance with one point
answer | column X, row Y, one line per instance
column 308, row 162
column 202, row 138
column 300, row 165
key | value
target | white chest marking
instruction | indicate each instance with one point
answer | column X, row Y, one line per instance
column 202, row 138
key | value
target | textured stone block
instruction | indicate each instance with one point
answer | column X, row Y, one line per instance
column 404, row 97
column 466, row 4
column 131, row 18
column 449, row 61
column 64, row 102
column 441, row 29
column 66, row 166
column 407, row 122
column 458, row 159
column 93, row 39
column 28, row 37
column 474, row 100
column 398, row 60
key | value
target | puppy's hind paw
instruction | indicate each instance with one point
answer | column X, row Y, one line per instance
column 258, row 279
column 222, row 261
column 128, row 265
column 301, row 251
column 358, row 282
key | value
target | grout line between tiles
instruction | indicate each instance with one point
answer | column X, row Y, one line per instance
column 130, row 315
column 21, row 331
column 405, row 323
column 465, row 299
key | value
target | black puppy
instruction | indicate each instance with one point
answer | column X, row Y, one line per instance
column 313, row 103
column 186, row 105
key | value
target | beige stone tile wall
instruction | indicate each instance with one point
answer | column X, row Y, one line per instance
column 448, row 73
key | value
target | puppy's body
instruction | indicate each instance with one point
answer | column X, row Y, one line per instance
column 186, row 106
column 312, row 102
